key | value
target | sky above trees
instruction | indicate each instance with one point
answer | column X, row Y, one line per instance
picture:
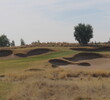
column 53, row 20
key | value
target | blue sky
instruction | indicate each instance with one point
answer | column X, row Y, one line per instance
column 53, row 20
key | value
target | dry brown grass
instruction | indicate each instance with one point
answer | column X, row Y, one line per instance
column 64, row 73
column 59, row 84
column 45, row 89
column 56, row 74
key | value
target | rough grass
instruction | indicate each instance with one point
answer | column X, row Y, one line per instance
column 57, row 84
column 5, row 88
column 44, row 89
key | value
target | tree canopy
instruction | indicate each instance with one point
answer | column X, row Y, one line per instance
column 22, row 42
column 4, row 41
column 12, row 43
column 83, row 33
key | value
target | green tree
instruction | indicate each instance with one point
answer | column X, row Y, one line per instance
column 22, row 42
column 4, row 41
column 83, row 33
column 12, row 43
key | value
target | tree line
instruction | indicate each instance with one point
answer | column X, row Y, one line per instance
column 5, row 42
column 82, row 33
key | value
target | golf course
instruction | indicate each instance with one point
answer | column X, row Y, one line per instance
column 50, row 73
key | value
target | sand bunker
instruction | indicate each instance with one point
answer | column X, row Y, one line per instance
column 21, row 55
column 34, row 69
column 84, row 64
column 38, row 51
column 90, row 60
column 92, row 49
column 58, row 62
column 95, row 64
column 2, row 76
column 84, row 56
column 5, row 53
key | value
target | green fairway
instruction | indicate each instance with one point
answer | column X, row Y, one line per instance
column 7, row 65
